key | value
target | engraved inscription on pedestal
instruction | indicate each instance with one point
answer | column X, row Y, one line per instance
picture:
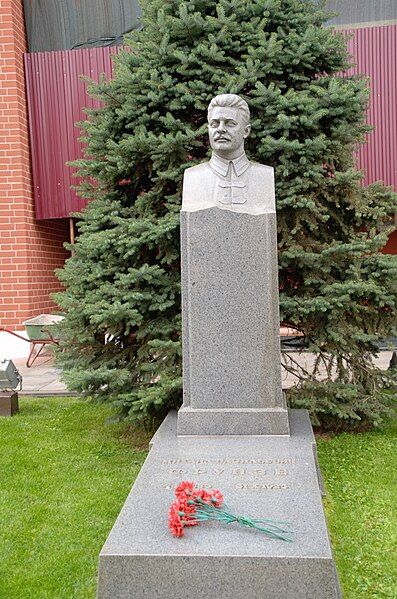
column 248, row 474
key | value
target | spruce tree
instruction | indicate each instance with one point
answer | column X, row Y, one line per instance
column 122, row 334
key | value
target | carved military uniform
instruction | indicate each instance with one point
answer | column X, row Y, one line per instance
column 238, row 185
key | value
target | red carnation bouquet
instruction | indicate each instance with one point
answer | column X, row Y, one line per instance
column 193, row 506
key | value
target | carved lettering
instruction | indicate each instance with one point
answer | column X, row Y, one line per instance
column 260, row 487
column 258, row 473
column 218, row 472
column 243, row 471
column 239, row 486
column 281, row 472
column 232, row 462
column 239, row 472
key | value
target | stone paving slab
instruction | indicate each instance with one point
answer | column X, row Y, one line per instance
column 307, row 359
column 43, row 378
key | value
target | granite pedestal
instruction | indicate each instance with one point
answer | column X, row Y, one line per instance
column 231, row 342
column 263, row 476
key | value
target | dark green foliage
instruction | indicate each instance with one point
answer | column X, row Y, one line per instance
column 336, row 405
column 123, row 281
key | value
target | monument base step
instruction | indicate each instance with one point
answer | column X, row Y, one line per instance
column 232, row 421
column 262, row 477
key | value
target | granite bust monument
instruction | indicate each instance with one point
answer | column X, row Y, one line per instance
column 229, row 180
column 231, row 345
column 233, row 431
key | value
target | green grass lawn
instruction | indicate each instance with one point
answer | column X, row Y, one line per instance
column 65, row 475
column 360, row 477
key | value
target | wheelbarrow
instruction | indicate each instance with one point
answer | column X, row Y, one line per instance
column 41, row 331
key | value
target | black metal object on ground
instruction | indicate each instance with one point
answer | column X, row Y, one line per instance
column 10, row 377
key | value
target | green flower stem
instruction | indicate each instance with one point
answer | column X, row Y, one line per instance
column 271, row 528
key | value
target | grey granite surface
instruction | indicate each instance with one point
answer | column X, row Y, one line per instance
column 231, row 344
column 232, row 421
column 272, row 477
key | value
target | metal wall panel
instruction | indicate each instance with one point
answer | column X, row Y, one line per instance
column 68, row 24
column 374, row 51
column 359, row 12
column 56, row 99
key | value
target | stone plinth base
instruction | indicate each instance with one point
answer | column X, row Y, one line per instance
column 263, row 477
column 232, row 421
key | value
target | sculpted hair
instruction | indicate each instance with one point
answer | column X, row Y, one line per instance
column 231, row 101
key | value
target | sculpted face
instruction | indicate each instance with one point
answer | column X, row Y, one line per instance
column 227, row 131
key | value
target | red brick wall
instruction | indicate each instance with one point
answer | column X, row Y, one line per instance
column 29, row 250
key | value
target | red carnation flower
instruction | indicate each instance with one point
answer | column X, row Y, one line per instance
column 217, row 498
column 198, row 505
column 204, row 495
column 174, row 520
column 185, row 490
column 214, row 497
column 188, row 507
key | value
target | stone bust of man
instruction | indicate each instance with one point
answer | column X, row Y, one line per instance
column 229, row 180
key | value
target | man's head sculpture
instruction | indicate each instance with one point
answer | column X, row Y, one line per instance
column 228, row 125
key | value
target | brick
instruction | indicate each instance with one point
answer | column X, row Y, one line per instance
column 29, row 251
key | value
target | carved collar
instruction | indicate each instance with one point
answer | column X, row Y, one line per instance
column 221, row 166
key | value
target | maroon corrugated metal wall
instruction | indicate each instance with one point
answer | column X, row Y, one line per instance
column 374, row 50
column 56, row 99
